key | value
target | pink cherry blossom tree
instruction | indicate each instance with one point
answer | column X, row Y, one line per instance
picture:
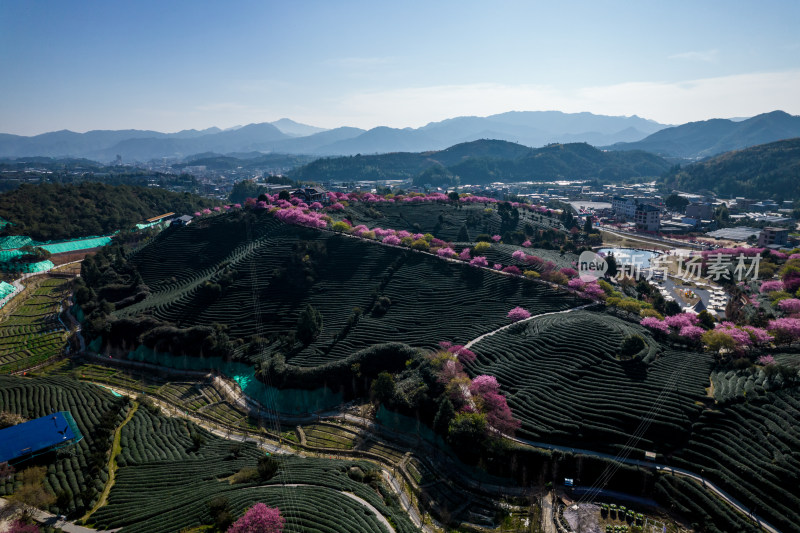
column 518, row 313
column 655, row 324
column 692, row 333
column 479, row 261
column 259, row 519
column 766, row 360
column 789, row 305
column 770, row 286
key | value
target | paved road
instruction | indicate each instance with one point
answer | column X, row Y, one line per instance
column 478, row 339
column 649, row 240
column 730, row 500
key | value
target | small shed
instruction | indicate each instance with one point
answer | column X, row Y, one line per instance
column 184, row 220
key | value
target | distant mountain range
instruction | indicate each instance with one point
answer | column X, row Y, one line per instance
column 768, row 170
column 532, row 128
column 692, row 141
column 487, row 161
column 699, row 140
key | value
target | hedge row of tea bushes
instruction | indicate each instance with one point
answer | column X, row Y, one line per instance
column 446, row 221
column 209, row 274
column 77, row 474
column 707, row 513
column 752, row 450
column 564, row 382
column 32, row 333
column 169, row 469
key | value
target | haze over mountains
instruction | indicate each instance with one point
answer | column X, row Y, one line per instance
column 531, row 128
column 699, row 140
column 692, row 141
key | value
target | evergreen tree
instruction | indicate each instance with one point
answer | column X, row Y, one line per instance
column 444, row 416
column 309, row 325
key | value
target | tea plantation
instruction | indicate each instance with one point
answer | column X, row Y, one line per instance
column 242, row 282
column 260, row 289
column 166, row 478
column 32, row 333
column 75, row 475
column 446, row 221
column 566, row 384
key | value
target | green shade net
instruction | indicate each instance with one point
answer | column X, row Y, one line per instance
column 76, row 245
column 14, row 241
column 6, row 289
column 26, row 268
column 9, row 255
column 290, row 401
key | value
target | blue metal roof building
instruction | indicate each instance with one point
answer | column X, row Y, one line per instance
column 38, row 436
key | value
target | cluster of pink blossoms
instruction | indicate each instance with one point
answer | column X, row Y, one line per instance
column 518, row 313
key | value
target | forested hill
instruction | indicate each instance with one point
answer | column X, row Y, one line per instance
column 696, row 140
column 487, row 161
column 53, row 211
column 768, row 170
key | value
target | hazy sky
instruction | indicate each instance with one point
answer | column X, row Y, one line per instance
column 170, row 65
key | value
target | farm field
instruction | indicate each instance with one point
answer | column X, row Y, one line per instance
column 430, row 299
column 245, row 274
column 444, row 221
column 566, row 385
column 753, row 450
column 163, row 487
column 78, row 472
column 199, row 398
column 169, row 468
column 32, row 333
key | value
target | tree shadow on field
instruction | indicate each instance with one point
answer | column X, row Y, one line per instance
column 472, row 277
column 634, row 368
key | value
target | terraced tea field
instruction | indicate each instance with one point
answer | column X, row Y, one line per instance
column 431, row 299
column 443, row 221
column 165, row 480
column 753, row 450
column 32, row 333
column 68, row 470
column 566, row 385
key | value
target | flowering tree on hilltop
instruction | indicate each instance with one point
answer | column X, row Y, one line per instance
column 259, row 519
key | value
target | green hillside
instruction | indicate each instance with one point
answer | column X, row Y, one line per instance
column 255, row 276
column 52, row 211
column 487, row 161
column 768, row 170
column 308, row 308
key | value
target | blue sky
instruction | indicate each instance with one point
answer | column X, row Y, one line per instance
column 174, row 65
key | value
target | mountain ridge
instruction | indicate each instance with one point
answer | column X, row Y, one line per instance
column 766, row 170
column 288, row 136
column 707, row 138
column 486, row 161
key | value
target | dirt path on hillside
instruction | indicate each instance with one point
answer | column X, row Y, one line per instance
column 116, row 448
